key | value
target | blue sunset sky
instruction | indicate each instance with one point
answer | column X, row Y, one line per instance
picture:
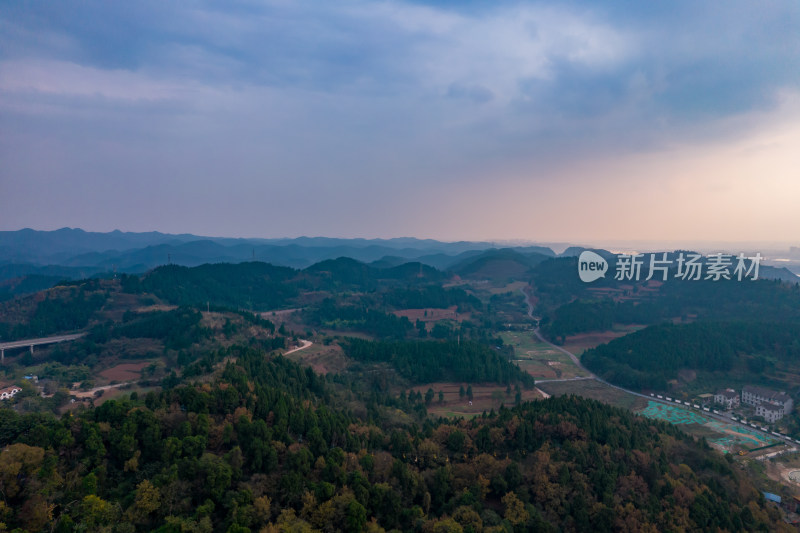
column 583, row 121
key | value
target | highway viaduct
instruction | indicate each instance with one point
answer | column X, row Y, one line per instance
column 30, row 343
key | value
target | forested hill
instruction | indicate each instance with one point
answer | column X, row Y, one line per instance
column 269, row 447
column 256, row 286
column 426, row 362
column 570, row 308
column 557, row 283
column 650, row 357
column 244, row 284
column 264, row 286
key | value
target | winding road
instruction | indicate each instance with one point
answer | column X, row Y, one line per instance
column 592, row 375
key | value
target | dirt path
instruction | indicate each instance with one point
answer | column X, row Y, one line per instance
column 304, row 344
column 543, row 393
column 89, row 393
column 278, row 312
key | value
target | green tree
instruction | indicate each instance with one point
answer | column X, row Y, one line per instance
column 429, row 396
column 356, row 518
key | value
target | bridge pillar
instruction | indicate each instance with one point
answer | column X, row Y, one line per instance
column 2, row 356
column 31, row 349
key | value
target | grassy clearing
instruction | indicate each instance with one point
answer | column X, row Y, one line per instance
column 540, row 359
column 323, row 359
column 124, row 371
column 578, row 344
column 486, row 396
column 433, row 314
column 514, row 286
column 590, row 388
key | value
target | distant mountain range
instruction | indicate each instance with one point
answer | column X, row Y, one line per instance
column 31, row 260
column 74, row 253
column 139, row 252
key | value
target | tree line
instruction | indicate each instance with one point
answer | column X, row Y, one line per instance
column 268, row 447
column 434, row 296
column 650, row 357
column 452, row 360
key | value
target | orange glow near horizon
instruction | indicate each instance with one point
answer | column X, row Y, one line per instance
column 747, row 190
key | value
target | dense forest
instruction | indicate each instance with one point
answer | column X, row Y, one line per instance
column 264, row 448
column 425, row 362
column 581, row 316
column 179, row 328
column 431, row 296
column 27, row 284
column 577, row 317
column 64, row 309
column 329, row 314
column 568, row 306
column 263, row 286
column 249, row 285
column 344, row 273
column 650, row 357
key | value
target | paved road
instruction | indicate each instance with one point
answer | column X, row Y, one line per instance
column 37, row 342
column 570, row 354
column 556, row 380
column 709, row 414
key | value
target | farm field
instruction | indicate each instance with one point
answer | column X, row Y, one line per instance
column 726, row 437
column 540, row 360
column 485, row 398
column 578, row 344
column 124, row 371
column 432, row 314
column 591, row 388
column 514, row 286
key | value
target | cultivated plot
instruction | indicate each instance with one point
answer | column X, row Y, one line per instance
column 539, row 359
column 581, row 342
column 723, row 435
column 485, row 397
column 591, row 388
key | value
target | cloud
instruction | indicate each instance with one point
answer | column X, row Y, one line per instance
column 364, row 100
column 47, row 77
column 476, row 93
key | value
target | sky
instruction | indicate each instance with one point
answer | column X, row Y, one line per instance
column 544, row 121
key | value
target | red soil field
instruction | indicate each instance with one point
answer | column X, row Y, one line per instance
column 432, row 315
column 124, row 371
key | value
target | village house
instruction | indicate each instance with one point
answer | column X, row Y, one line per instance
column 9, row 392
column 769, row 411
column 754, row 396
column 728, row 398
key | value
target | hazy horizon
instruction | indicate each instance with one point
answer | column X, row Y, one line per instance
column 538, row 121
column 557, row 246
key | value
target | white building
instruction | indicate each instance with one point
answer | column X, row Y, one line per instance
column 9, row 392
column 769, row 411
column 728, row 398
column 756, row 395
